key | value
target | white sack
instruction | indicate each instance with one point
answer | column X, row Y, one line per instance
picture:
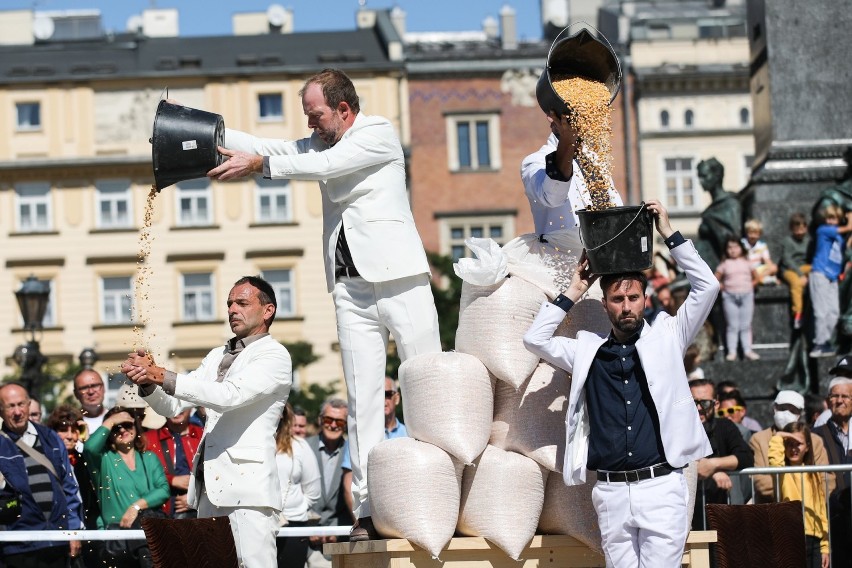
column 548, row 263
column 449, row 402
column 415, row 491
column 501, row 499
column 492, row 324
column 531, row 420
column 569, row 510
column 489, row 267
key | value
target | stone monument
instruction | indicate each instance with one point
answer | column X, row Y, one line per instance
column 722, row 219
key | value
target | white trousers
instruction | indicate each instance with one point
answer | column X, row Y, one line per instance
column 366, row 312
column 643, row 524
column 254, row 530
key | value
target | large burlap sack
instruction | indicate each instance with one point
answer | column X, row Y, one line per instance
column 531, row 420
column 492, row 323
column 569, row 510
column 449, row 402
column 548, row 261
column 415, row 491
column 501, row 499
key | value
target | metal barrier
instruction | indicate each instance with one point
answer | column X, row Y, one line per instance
column 58, row 536
column 776, row 472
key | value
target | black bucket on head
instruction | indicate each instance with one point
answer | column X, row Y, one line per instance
column 618, row 239
column 580, row 54
column 184, row 143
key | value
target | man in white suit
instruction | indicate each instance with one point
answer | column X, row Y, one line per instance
column 631, row 416
column 244, row 387
column 375, row 265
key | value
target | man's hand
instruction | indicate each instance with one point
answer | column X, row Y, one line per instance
column 74, row 548
column 661, row 217
column 582, row 279
column 181, row 505
column 141, row 369
column 181, row 482
column 568, row 141
column 238, row 165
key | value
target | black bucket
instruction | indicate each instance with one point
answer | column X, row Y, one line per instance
column 184, row 143
column 618, row 239
column 580, row 54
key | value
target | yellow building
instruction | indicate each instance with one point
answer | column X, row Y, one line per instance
column 76, row 114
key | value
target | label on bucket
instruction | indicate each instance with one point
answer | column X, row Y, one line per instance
column 644, row 244
column 190, row 145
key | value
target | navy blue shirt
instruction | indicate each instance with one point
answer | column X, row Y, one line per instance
column 624, row 427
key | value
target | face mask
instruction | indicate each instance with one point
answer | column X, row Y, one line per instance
column 784, row 417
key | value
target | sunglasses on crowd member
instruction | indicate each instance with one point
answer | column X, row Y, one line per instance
column 390, row 393
column 722, row 412
column 704, row 404
column 67, row 427
column 122, row 426
column 329, row 421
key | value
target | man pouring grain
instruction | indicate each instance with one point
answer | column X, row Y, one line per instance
column 631, row 415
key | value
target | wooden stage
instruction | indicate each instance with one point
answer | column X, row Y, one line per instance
column 553, row 551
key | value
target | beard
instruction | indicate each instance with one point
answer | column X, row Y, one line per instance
column 627, row 325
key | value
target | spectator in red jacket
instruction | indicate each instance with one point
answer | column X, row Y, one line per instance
column 175, row 457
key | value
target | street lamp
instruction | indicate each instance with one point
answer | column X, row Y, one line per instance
column 32, row 300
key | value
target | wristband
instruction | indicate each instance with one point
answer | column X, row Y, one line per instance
column 137, row 507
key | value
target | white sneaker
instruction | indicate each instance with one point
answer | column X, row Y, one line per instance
column 752, row 356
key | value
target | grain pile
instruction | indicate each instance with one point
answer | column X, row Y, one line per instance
column 590, row 116
column 143, row 272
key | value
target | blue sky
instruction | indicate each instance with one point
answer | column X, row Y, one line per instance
column 213, row 17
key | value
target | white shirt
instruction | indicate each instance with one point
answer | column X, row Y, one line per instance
column 300, row 480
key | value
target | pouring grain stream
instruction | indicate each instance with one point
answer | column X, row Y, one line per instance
column 143, row 272
column 590, row 116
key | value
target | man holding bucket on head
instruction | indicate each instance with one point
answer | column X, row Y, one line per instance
column 631, row 416
column 376, row 268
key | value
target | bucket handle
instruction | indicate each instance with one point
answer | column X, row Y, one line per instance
column 627, row 226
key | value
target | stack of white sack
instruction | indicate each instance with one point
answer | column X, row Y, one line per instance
column 415, row 490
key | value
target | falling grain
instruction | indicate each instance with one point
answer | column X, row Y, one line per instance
column 143, row 272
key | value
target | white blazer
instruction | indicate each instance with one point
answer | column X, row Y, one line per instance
column 242, row 415
column 362, row 179
column 660, row 347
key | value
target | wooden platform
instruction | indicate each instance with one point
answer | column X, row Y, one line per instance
column 552, row 551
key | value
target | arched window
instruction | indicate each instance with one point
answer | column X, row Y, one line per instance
column 744, row 116
column 688, row 118
column 664, row 119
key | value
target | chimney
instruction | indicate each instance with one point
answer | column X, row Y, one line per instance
column 509, row 25
column 491, row 27
column 397, row 16
column 160, row 22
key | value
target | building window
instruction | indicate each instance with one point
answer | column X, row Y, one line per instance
column 113, row 202
column 194, row 203
column 29, row 116
column 197, row 297
column 688, row 118
column 116, row 299
column 273, row 201
column 664, row 119
column 281, row 281
column 681, row 183
column 473, row 142
column 745, row 117
column 270, row 106
column 33, row 207
column 454, row 231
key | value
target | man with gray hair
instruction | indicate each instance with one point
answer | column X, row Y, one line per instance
column 328, row 448
column 835, row 434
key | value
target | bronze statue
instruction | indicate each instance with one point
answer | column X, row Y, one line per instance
column 723, row 217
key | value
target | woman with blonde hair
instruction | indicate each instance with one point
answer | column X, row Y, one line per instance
column 299, row 473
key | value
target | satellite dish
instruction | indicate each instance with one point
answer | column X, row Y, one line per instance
column 135, row 23
column 276, row 14
column 43, row 27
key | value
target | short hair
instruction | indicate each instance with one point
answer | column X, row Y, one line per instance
column 607, row 280
column 333, row 403
column 337, row 87
column 726, row 384
column 63, row 415
column 839, row 381
column 265, row 292
column 17, row 384
column 753, row 225
column 703, row 383
column 299, row 411
column 798, row 220
column 832, row 211
column 734, row 395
